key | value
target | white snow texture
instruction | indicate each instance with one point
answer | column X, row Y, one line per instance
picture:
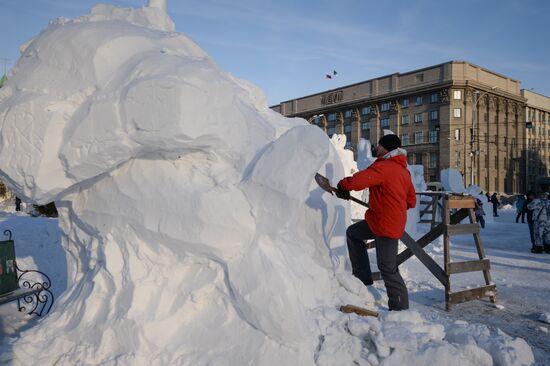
column 183, row 199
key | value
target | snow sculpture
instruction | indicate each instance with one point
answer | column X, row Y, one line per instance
column 189, row 212
column 452, row 180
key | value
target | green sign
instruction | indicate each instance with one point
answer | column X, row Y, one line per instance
column 8, row 274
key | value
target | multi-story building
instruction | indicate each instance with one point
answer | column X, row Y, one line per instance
column 537, row 153
column 455, row 114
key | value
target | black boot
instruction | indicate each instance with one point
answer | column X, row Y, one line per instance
column 536, row 249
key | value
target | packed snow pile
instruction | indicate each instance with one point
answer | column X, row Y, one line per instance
column 194, row 231
column 350, row 168
column 188, row 208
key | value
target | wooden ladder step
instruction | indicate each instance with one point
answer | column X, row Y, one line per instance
column 468, row 266
column 462, row 229
column 461, row 202
column 473, row 294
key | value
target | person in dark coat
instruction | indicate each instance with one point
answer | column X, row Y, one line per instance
column 488, row 196
column 391, row 194
column 480, row 213
column 494, row 200
column 520, row 207
column 530, row 221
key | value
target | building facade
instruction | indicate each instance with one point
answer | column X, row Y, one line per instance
column 537, row 115
column 455, row 114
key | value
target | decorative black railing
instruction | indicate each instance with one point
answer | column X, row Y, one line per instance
column 40, row 299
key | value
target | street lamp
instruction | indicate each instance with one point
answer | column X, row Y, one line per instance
column 473, row 151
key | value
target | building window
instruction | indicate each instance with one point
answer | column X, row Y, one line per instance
column 406, row 119
column 365, row 110
column 366, row 134
column 332, row 117
column 405, row 103
column 385, row 122
column 434, row 115
column 457, row 134
column 457, row 94
column 418, row 160
column 405, row 139
column 330, row 131
column 365, row 125
column 418, row 117
column 433, row 135
column 433, row 160
column 434, row 98
column 457, row 112
column 347, row 114
column 419, row 100
column 385, row 107
column 419, row 137
column 347, row 128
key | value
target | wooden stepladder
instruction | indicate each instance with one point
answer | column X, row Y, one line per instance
column 483, row 264
column 462, row 206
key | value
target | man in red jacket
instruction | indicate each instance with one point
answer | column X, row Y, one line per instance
column 391, row 194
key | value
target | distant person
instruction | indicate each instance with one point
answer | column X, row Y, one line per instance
column 530, row 197
column 488, row 196
column 494, row 200
column 520, row 207
column 541, row 218
column 17, row 204
column 391, row 194
column 480, row 213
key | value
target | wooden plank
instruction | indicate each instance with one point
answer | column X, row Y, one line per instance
column 461, row 202
column 16, row 294
column 472, row 294
column 462, row 229
column 446, row 218
column 358, row 310
column 426, row 260
column 433, row 234
column 468, row 266
column 481, row 254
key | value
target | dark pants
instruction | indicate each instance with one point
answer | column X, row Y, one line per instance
column 531, row 225
column 495, row 206
column 386, row 258
column 481, row 221
column 522, row 214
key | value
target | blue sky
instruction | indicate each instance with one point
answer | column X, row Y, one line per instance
column 286, row 47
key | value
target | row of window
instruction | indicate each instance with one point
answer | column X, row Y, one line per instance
column 406, row 118
column 385, row 107
column 433, row 137
column 418, row 159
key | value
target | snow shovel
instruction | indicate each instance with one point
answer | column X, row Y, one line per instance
column 325, row 185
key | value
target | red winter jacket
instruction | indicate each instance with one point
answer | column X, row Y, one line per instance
column 391, row 193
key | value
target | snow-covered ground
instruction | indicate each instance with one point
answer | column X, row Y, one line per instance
column 522, row 302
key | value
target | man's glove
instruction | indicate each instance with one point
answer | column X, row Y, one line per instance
column 341, row 192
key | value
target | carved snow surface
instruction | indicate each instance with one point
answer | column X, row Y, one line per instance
column 190, row 216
